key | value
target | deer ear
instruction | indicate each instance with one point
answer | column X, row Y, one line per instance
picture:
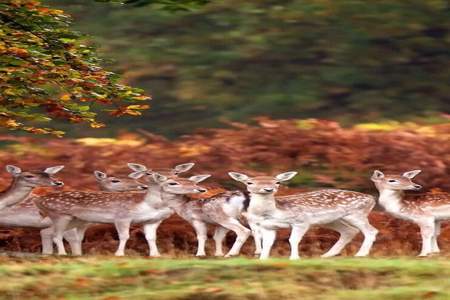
column 100, row 175
column 199, row 178
column 158, row 178
column 137, row 167
column 183, row 167
column 238, row 176
column 13, row 170
column 136, row 175
column 286, row 176
column 411, row 174
column 53, row 170
column 377, row 175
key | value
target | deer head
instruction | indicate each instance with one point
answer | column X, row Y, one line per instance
column 180, row 186
column 35, row 178
column 262, row 184
column 115, row 184
column 396, row 182
column 141, row 171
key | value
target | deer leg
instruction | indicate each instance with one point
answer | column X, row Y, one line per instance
column 268, row 238
column 150, row 235
column 60, row 224
column 123, row 230
column 346, row 232
column 370, row 233
column 242, row 234
column 71, row 236
column 219, row 235
column 257, row 237
column 434, row 241
column 47, row 242
column 75, row 236
column 201, row 231
column 427, row 231
column 297, row 233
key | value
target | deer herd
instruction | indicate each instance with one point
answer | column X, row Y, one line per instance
column 148, row 197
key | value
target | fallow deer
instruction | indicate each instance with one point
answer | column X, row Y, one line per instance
column 75, row 209
column 25, row 181
column 108, row 184
column 337, row 209
column 16, row 208
column 427, row 211
column 223, row 211
column 116, row 184
column 26, row 214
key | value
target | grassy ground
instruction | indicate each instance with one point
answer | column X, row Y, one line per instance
column 139, row 278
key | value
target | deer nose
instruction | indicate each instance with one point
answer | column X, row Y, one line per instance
column 201, row 190
column 58, row 183
column 269, row 190
column 417, row 186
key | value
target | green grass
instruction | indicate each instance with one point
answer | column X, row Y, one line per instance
column 140, row 278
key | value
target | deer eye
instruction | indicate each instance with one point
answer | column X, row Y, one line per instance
column 115, row 181
column 249, row 183
column 392, row 180
column 277, row 182
column 173, row 183
column 29, row 176
column 148, row 173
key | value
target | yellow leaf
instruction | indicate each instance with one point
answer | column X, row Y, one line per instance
column 97, row 125
column 132, row 112
column 143, row 98
column 65, row 97
column 138, row 106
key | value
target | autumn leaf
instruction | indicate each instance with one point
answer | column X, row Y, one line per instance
column 42, row 50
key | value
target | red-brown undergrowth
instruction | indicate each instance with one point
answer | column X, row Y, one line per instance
column 325, row 154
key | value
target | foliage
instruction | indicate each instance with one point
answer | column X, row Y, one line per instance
column 137, row 278
column 47, row 72
column 349, row 60
column 324, row 154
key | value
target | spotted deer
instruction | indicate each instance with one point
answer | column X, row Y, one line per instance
column 341, row 210
column 75, row 209
column 427, row 211
column 26, row 214
column 223, row 211
column 25, row 181
column 116, row 184
column 108, row 184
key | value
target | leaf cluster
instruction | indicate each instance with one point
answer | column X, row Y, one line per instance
column 47, row 72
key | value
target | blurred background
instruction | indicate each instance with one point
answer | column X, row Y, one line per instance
column 354, row 61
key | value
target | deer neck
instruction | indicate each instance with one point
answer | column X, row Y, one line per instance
column 261, row 203
column 391, row 200
column 15, row 193
column 153, row 197
column 174, row 201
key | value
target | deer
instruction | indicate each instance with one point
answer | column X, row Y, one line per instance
column 341, row 210
column 117, row 184
column 74, row 209
column 26, row 214
column 427, row 211
column 108, row 184
column 230, row 204
column 25, row 181
column 222, row 210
